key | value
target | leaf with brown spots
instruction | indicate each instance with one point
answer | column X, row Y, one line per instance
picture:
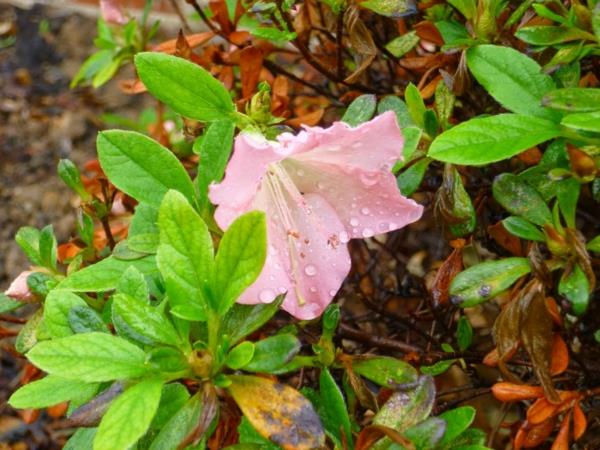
column 278, row 412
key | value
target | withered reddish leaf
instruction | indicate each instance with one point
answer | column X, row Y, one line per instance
column 365, row 396
column 251, row 59
column 372, row 433
column 444, row 276
column 429, row 32
column 540, row 411
column 582, row 163
column 132, row 86
column 537, row 434
column 506, row 331
column 560, row 355
column 536, row 335
column 511, row 392
column 278, row 412
column 361, row 41
column 193, row 41
column 579, row 421
column 554, row 311
column 59, row 410
column 309, row 119
column 561, row 441
column 530, row 156
column 429, row 89
column 210, row 408
column 520, row 437
column 29, row 415
column 505, row 239
column 89, row 414
column 239, row 38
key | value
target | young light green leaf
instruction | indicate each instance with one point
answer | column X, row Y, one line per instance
column 56, row 312
column 105, row 275
column 464, row 333
column 550, row 35
column 484, row 140
column 172, row 399
column 28, row 336
column 89, row 357
column 273, row 353
column 185, row 256
column 457, row 420
column 401, row 45
column 49, row 391
column 240, row 355
column 574, row 99
column 393, row 103
column 390, row 8
column 575, row 287
column 83, row 319
column 129, row 416
column 141, row 167
column 513, row 79
column 214, row 151
column 186, row 87
column 521, row 199
column 333, row 409
column 7, row 304
column 438, row 368
column 583, row 121
column 594, row 245
column 484, row 281
column 134, row 284
column 523, row 228
column 415, row 104
column 145, row 320
column 360, row 110
column 48, row 247
column 28, row 238
column 240, row 259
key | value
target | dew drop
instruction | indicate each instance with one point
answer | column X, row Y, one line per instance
column 313, row 289
column 310, row 270
column 354, row 221
column 393, row 226
column 273, row 251
column 367, row 232
column 369, row 179
column 266, row 296
column 332, row 292
column 282, row 290
column 383, row 226
column 344, row 237
column 365, row 211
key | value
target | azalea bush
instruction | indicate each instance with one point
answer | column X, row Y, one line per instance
column 343, row 225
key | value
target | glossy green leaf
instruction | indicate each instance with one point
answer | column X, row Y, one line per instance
column 172, row 398
column 457, row 420
column 410, row 179
column 49, row 391
column 186, row 87
column 393, row 103
column 83, row 319
column 521, row 199
column 523, row 228
column 7, row 304
column 133, row 283
column 241, row 320
column 484, row 140
column 129, row 416
column 426, row 434
column 401, row 45
column 513, row 79
column 89, row 357
column 575, row 287
column 240, row 355
column 567, row 194
column 464, row 333
column 250, row 439
column 360, row 110
column 484, row 281
column 82, row 439
column 179, row 426
column 185, row 256
column 273, row 352
column 333, row 409
column 415, row 104
column 141, row 167
column 56, row 312
column 384, row 370
column 549, row 35
column 240, row 259
column 594, row 244
column 28, row 238
column 574, row 99
column 438, row 368
column 583, row 121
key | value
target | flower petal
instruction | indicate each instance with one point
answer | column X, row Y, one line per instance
column 112, row 12
column 18, row 289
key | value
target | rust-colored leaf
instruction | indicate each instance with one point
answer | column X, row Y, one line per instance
column 561, row 441
column 59, row 410
column 511, row 392
column 309, row 119
column 579, row 421
column 278, row 412
column 531, row 156
column 554, row 311
column 373, row 433
column 520, row 437
column 429, row 32
column 193, row 41
column 537, row 434
column 29, row 415
column 251, row 59
column 444, row 276
column 540, row 411
column 505, row 239
column 560, row 355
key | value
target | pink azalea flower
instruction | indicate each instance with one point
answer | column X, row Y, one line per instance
column 319, row 189
column 18, row 289
column 112, row 12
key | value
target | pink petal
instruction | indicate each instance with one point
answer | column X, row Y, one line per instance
column 318, row 265
column 18, row 289
column 112, row 12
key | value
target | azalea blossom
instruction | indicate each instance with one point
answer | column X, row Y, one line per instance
column 112, row 12
column 18, row 289
column 319, row 189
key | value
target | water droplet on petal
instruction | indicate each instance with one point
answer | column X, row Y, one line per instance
column 310, row 270
column 383, row 226
column 367, row 232
column 344, row 237
column 369, row 179
column 282, row 290
column 332, row 292
column 365, row 211
column 313, row 289
column 354, row 222
column 272, row 250
column 320, row 185
column 266, row 296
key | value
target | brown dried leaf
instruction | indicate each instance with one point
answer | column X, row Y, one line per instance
column 579, row 421
column 537, row 434
column 540, row 411
column 505, row 239
column 361, row 41
column 251, row 60
column 561, row 442
column 373, row 433
column 278, row 412
column 560, row 355
column 444, row 276
column 511, row 392
column 193, row 41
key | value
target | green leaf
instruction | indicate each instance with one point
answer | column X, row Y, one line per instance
column 56, row 312
column 7, row 304
column 464, row 333
column 426, row 434
column 134, row 284
column 583, row 121
column 241, row 320
column 49, row 391
column 186, row 87
column 438, row 368
column 83, row 319
column 594, row 245
column 409, row 180
column 28, row 336
column 513, row 79
column 173, row 397
column 401, row 45
column 240, row 356
column 393, row 103
column 360, row 110
column 457, row 420
column 467, row 8
column 146, row 320
column 575, row 287
column 47, row 244
column 573, row 99
column 141, row 167
column 415, row 104
column 484, row 281
column 240, row 259
column 484, row 140
column 28, row 238
column 523, row 228
column 129, row 416
column 214, row 151
column 567, row 195
column 179, row 426
column 390, row 8
column 250, row 439
column 105, row 275
column 521, row 199
column 185, row 256
column 333, row 409
column 273, row 353
column 549, row 35
column 384, row 370
column 89, row 357
column 82, row 439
